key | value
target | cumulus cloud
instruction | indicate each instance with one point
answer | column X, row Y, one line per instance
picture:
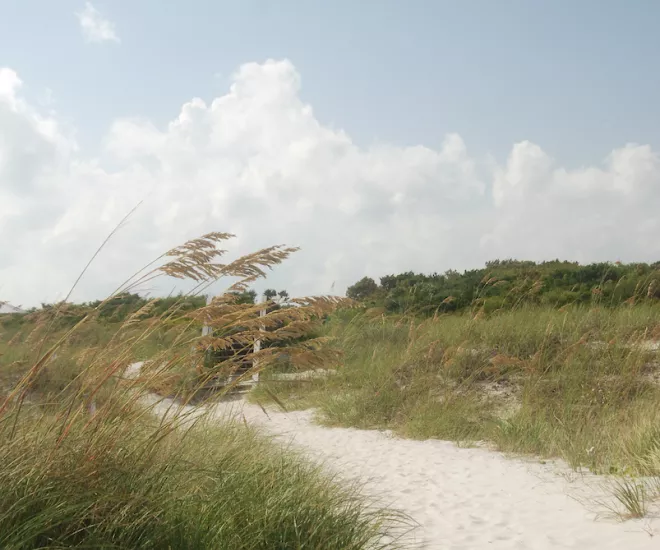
column 95, row 27
column 257, row 162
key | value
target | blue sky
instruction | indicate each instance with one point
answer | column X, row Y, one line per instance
column 578, row 78
column 417, row 135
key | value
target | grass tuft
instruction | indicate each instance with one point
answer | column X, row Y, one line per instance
column 632, row 495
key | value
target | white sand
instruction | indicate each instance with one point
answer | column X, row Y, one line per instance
column 462, row 498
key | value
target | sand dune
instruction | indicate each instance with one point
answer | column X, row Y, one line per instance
column 461, row 498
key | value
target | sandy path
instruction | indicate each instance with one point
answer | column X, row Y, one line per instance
column 462, row 498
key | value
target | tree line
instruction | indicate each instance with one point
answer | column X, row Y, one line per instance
column 505, row 284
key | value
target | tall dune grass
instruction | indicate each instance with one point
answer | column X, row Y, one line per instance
column 85, row 462
column 135, row 484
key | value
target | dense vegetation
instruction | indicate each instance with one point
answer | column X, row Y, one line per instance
column 120, row 307
column 129, row 483
column 505, row 284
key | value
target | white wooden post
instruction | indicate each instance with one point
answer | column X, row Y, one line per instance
column 206, row 329
column 257, row 347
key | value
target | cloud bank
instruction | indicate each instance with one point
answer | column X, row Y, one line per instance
column 256, row 162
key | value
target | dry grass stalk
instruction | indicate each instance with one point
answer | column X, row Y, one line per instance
column 235, row 326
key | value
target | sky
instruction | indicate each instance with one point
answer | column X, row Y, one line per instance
column 379, row 136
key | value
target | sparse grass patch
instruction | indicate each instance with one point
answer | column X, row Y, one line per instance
column 632, row 495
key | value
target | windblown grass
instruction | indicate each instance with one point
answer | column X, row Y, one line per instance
column 86, row 463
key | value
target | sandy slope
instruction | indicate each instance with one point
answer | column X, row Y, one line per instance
column 462, row 498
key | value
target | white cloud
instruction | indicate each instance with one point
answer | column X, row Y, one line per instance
column 256, row 162
column 9, row 83
column 95, row 27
